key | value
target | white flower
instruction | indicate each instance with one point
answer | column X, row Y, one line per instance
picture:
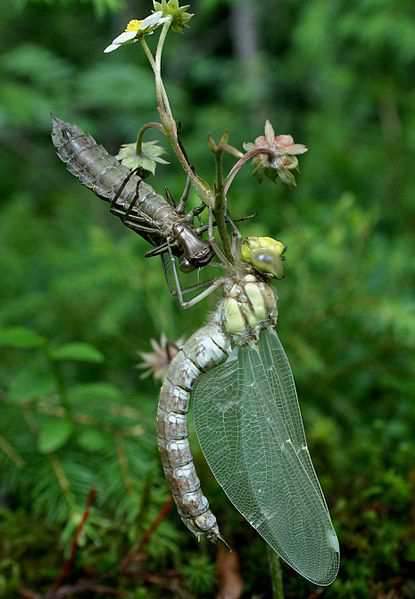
column 136, row 29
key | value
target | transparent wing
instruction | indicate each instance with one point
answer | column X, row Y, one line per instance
column 249, row 426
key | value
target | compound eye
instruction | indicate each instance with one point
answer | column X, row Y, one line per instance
column 268, row 261
column 185, row 265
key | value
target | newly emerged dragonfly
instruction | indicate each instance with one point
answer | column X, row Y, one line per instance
column 165, row 226
column 248, row 421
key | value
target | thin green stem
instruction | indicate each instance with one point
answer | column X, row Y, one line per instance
column 220, row 206
column 170, row 128
column 162, row 99
column 202, row 188
column 148, row 53
column 140, row 136
column 276, row 574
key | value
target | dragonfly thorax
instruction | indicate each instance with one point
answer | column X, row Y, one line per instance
column 249, row 305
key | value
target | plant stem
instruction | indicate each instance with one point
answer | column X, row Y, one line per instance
column 140, row 136
column 276, row 574
column 162, row 98
column 220, row 206
column 169, row 124
column 148, row 53
column 237, row 167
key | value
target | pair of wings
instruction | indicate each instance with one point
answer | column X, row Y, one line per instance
column 249, row 425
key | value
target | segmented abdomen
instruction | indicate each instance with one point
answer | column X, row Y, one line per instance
column 205, row 349
column 104, row 175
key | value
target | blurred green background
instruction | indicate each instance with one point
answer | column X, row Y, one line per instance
column 78, row 300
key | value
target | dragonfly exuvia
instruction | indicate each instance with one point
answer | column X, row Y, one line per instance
column 134, row 201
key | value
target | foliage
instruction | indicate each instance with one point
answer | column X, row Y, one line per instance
column 79, row 300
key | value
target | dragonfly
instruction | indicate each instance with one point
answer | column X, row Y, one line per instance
column 247, row 419
column 167, row 227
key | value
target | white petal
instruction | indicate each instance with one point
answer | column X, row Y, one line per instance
column 126, row 36
column 151, row 20
column 111, row 48
column 154, row 20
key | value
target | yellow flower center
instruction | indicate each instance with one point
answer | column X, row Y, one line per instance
column 133, row 25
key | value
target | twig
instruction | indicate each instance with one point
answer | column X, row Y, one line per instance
column 147, row 536
column 70, row 589
column 74, row 548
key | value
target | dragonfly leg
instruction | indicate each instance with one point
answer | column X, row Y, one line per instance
column 211, row 238
column 139, row 228
column 204, row 228
column 192, row 214
column 216, row 283
column 161, row 249
column 236, row 237
column 141, row 224
column 122, row 186
column 180, row 209
column 134, row 201
column 201, row 285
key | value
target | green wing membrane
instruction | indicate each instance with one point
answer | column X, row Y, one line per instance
column 249, row 426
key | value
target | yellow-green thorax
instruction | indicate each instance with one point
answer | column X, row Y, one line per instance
column 248, row 306
column 264, row 254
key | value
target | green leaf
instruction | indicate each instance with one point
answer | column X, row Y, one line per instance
column 92, row 439
column 21, row 337
column 53, row 434
column 28, row 384
column 77, row 351
column 147, row 160
column 94, row 391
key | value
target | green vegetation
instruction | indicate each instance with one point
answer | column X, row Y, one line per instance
column 78, row 300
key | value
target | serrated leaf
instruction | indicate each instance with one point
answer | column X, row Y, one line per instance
column 21, row 338
column 53, row 434
column 92, row 439
column 147, row 160
column 94, row 391
column 78, row 352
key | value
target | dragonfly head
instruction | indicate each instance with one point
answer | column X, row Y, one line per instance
column 196, row 251
column 186, row 265
column 265, row 255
